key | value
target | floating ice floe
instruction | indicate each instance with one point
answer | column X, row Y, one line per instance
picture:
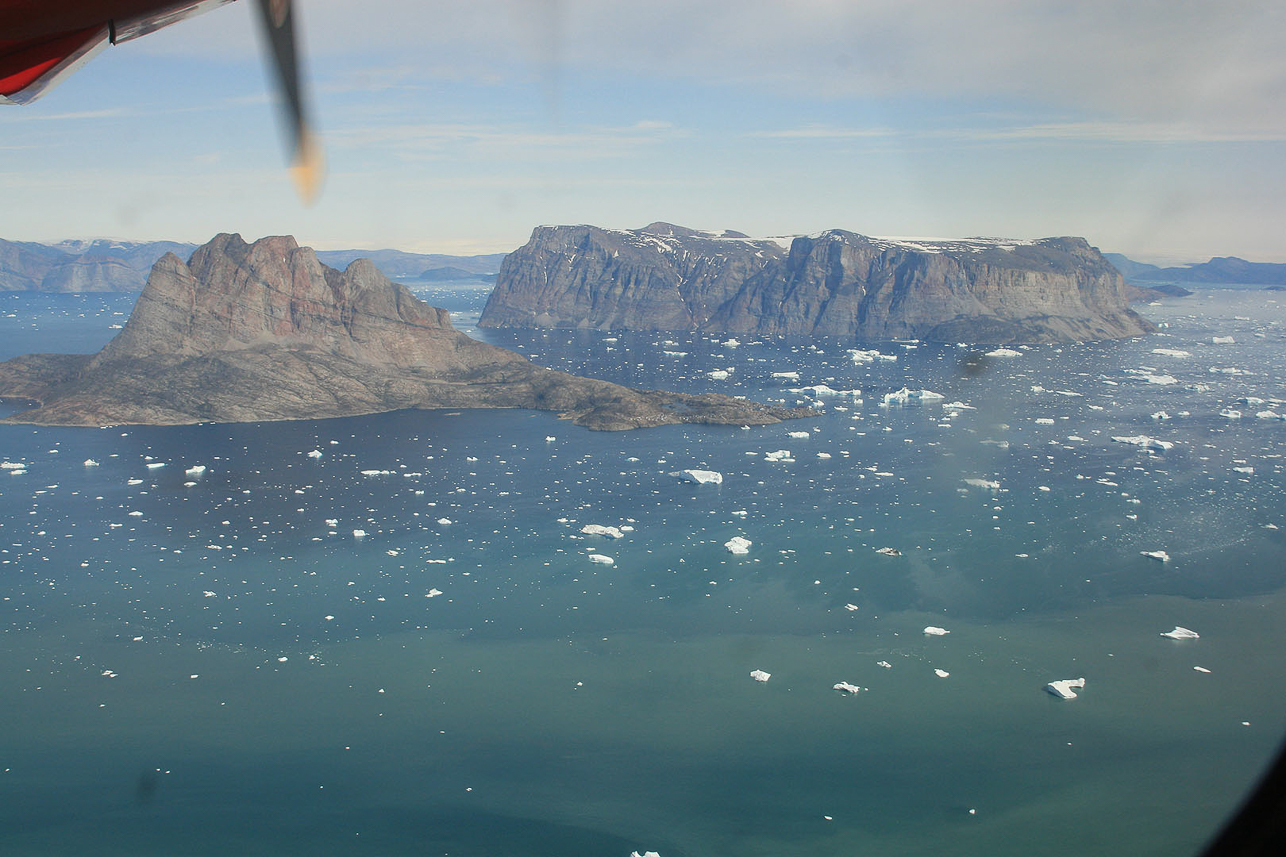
column 1161, row 380
column 89, row 462
column 941, row 673
column 825, row 390
column 359, row 534
column 1181, row 633
column 602, row 530
column 845, row 687
column 549, row 438
column 1222, row 340
column 760, row 675
column 12, row 465
column 779, row 455
column 799, row 435
column 719, row 374
column 935, row 631
column 1063, row 689
column 851, row 607
column 905, row 395
column 738, row 545
column 1269, row 415
column 377, row 472
column 155, row 465
column 195, row 470
column 644, row 854
column 885, row 664
column 433, row 593
column 1004, row 352
column 1044, row 421
column 989, row 484
column 1160, row 556
column 1247, row 469
column 858, row 355
column 1231, row 414
column 446, row 522
column 1201, row 669
column 316, row 453
column 1171, row 352
column 1145, row 442
column 700, row 477
column 1160, row 415
column 888, row 551
column 786, row 376
column 958, row 406
column 601, row 559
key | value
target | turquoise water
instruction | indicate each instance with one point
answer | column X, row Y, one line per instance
column 215, row 668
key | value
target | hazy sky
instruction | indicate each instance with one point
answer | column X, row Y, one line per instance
column 1157, row 129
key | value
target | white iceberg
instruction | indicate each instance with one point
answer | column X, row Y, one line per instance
column 1144, row 441
column 1181, row 633
column 901, row 397
column 316, row 453
column 779, row 455
column 700, row 477
column 602, row 530
column 1063, row 689
column 1160, row 556
column 1171, row 352
column 941, row 673
column 359, row 534
column 1222, row 340
column 845, row 687
column 935, row 631
column 1003, row 352
column 601, row 560
column 89, row 462
column 888, row 551
column 738, row 545
column 989, row 484
column 798, row 435
column 786, row 376
column 760, row 675
column 719, row 374
column 195, row 470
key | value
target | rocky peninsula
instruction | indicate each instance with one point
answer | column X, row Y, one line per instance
column 264, row 331
column 837, row 283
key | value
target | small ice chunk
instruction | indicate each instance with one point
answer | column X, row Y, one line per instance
column 1171, row 352
column 644, row 854
column 602, row 530
column 989, row 484
column 549, row 438
column 799, row 435
column 719, row 374
column 359, row 534
column 601, row 559
column 1003, row 352
column 888, row 551
column 779, row 455
column 786, row 376
column 433, row 593
column 1181, row 633
column 1222, row 340
column 332, row 522
column 446, row 522
column 851, row 607
column 1063, row 688
column 1230, row 413
column 941, row 673
column 935, row 631
column 153, row 465
column 901, row 397
column 1044, row 421
column 885, row 664
column 845, row 687
column 1160, row 556
column 700, row 477
column 760, row 675
column 1201, row 669
column 89, row 462
column 316, row 453
column 738, row 545
column 195, row 470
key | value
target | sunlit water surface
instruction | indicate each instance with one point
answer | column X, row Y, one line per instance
column 217, row 664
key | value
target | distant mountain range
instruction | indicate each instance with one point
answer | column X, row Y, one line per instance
column 123, row 266
column 1221, row 270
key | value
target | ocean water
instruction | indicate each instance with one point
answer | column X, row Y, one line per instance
column 216, row 664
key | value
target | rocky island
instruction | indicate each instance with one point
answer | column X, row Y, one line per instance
column 837, row 283
column 264, row 331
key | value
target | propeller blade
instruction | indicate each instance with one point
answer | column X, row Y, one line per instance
column 306, row 156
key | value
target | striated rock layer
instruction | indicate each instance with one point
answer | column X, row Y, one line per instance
column 264, row 331
column 837, row 283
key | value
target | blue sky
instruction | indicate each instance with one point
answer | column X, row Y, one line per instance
column 1157, row 129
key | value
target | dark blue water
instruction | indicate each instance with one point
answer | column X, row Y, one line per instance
column 215, row 663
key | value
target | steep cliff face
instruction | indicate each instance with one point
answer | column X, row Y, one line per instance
column 835, row 284
column 661, row 277
column 249, row 332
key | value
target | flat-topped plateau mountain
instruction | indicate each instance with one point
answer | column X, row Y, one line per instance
column 837, row 283
column 264, row 331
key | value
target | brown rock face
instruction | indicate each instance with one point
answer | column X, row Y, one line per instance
column 248, row 332
column 835, row 284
